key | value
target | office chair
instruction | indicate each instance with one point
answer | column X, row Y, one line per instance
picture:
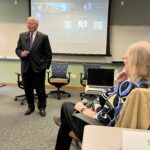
column 59, row 78
column 84, row 76
column 20, row 85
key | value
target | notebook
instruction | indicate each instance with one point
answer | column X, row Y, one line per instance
column 86, row 119
column 100, row 79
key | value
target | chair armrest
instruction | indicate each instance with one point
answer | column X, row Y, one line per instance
column 20, row 83
column 81, row 74
column 48, row 76
column 18, row 73
column 18, row 76
column 69, row 74
column 82, row 80
column 86, row 119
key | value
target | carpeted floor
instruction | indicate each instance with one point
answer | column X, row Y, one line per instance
column 33, row 132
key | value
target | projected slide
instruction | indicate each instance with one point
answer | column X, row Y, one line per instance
column 73, row 26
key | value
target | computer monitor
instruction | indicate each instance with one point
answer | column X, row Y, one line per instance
column 101, row 77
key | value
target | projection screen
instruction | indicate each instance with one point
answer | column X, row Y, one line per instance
column 74, row 26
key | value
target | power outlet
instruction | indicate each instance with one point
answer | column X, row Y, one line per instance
column 73, row 76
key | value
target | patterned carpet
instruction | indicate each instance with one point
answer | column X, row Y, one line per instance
column 20, row 132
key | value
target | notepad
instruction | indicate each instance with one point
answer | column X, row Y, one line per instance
column 136, row 140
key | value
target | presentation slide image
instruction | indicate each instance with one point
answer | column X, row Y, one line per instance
column 73, row 22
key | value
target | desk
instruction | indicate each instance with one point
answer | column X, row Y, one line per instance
column 106, row 138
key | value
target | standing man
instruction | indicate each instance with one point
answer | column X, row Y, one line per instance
column 34, row 51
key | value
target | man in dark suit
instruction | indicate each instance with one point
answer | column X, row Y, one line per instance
column 34, row 51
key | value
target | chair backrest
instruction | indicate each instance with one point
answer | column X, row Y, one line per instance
column 87, row 66
column 135, row 112
column 59, row 70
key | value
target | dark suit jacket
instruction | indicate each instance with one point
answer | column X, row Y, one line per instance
column 39, row 56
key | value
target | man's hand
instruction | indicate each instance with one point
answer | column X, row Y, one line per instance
column 24, row 53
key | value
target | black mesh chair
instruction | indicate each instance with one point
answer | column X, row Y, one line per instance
column 84, row 76
column 20, row 85
column 59, row 78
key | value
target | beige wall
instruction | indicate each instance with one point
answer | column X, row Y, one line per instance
column 129, row 23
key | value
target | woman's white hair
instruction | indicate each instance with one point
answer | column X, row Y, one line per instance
column 139, row 60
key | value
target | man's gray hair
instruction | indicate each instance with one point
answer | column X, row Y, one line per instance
column 33, row 18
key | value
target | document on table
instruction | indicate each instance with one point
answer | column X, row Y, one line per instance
column 138, row 140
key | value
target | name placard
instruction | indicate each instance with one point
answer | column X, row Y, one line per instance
column 138, row 140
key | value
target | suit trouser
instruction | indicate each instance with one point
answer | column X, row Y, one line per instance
column 31, row 81
column 68, row 123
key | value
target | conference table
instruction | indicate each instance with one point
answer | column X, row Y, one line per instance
column 111, row 138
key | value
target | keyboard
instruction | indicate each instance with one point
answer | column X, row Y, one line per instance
column 94, row 88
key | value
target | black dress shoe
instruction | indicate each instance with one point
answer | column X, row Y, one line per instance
column 29, row 111
column 42, row 112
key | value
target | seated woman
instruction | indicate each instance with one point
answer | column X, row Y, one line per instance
column 107, row 107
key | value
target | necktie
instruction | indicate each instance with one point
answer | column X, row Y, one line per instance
column 31, row 40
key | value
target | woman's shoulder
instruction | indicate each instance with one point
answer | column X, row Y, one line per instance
column 125, row 87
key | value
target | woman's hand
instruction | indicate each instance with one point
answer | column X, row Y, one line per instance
column 78, row 106
column 122, row 76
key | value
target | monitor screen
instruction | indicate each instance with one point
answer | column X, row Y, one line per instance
column 101, row 77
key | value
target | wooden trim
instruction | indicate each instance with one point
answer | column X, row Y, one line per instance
column 6, row 83
column 77, row 88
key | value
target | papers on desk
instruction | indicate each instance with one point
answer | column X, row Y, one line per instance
column 136, row 140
